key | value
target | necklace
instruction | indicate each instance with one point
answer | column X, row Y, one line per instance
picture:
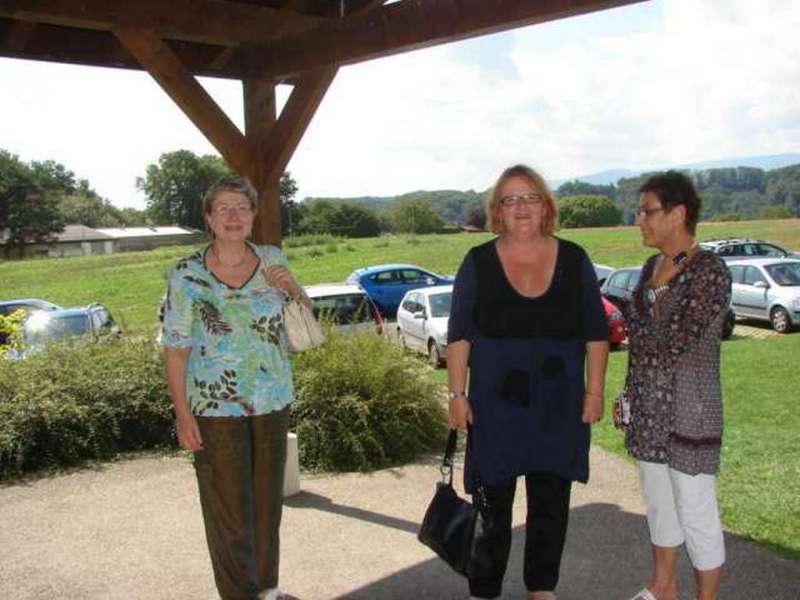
column 233, row 265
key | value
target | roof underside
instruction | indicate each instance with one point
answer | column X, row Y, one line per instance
column 269, row 40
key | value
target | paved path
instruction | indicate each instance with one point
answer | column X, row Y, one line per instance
column 132, row 530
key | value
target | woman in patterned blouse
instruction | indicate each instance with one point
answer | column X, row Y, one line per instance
column 230, row 380
column 671, row 408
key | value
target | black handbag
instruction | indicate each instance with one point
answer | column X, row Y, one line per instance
column 454, row 528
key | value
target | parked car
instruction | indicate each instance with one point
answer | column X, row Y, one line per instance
column 422, row 321
column 619, row 289
column 738, row 248
column 345, row 305
column 387, row 284
column 767, row 289
column 41, row 327
column 617, row 327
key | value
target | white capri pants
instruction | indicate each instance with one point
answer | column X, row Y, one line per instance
column 683, row 508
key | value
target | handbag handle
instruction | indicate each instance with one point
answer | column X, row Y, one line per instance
column 447, row 461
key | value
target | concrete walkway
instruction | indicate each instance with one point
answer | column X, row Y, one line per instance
column 133, row 530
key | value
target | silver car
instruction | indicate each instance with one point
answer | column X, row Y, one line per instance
column 767, row 289
column 422, row 321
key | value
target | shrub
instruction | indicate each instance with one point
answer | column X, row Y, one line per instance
column 10, row 331
column 314, row 253
column 71, row 403
column 361, row 404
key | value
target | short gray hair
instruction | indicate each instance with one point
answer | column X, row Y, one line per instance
column 230, row 183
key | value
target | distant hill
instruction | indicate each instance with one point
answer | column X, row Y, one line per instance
column 738, row 185
column 769, row 162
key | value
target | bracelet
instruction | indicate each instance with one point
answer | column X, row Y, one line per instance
column 453, row 395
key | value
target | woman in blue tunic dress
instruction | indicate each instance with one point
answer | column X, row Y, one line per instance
column 528, row 326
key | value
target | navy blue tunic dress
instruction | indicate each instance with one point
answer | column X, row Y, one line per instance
column 526, row 365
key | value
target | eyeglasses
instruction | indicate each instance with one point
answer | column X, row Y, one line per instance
column 230, row 209
column 526, row 198
column 646, row 212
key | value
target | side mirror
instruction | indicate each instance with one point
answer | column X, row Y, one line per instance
column 430, row 281
column 763, row 285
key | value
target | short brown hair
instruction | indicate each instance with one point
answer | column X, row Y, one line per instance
column 494, row 218
column 230, row 183
column 673, row 188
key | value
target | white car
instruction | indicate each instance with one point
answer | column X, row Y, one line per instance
column 767, row 289
column 345, row 305
column 422, row 321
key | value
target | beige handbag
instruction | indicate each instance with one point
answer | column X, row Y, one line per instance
column 303, row 331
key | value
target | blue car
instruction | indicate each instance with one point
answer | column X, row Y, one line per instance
column 387, row 284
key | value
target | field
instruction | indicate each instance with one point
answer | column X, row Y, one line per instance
column 131, row 284
column 760, row 479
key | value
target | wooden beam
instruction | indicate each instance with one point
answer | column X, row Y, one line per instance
column 295, row 117
column 25, row 40
column 404, row 26
column 209, row 21
column 167, row 69
column 259, row 121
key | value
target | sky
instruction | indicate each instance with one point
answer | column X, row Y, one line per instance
column 649, row 85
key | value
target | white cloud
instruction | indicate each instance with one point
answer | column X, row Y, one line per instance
column 683, row 80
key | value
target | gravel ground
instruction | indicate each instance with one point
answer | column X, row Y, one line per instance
column 132, row 530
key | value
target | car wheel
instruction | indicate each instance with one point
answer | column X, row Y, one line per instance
column 728, row 324
column 780, row 320
column 434, row 356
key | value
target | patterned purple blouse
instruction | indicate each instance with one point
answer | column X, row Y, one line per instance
column 673, row 381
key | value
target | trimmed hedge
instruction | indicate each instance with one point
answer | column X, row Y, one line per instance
column 361, row 404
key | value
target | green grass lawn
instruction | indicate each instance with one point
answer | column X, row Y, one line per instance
column 760, row 479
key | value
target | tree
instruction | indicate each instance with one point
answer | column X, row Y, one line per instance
column 414, row 216
column 291, row 213
column 175, row 186
column 27, row 213
column 351, row 220
column 588, row 211
column 582, row 188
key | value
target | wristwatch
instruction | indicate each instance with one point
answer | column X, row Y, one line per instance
column 453, row 395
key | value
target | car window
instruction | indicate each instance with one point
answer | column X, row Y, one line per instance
column 737, row 273
column 788, row 274
column 408, row 303
column 619, row 280
column 633, row 280
column 385, row 277
column 752, row 275
column 769, row 250
column 342, row 309
column 440, row 304
column 413, row 276
column 39, row 330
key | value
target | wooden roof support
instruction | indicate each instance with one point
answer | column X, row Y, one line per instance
column 259, row 119
column 303, row 102
column 166, row 68
column 403, row 26
column 209, row 21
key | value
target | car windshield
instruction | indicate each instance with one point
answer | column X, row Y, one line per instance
column 787, row 274
column 342, row 309
column 440, row 304
column 41, row 327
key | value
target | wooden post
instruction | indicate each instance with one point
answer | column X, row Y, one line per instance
column 259, row 119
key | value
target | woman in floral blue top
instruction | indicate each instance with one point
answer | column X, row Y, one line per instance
column 230, row 380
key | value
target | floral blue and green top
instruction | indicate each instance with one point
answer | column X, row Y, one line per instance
column 239, row 365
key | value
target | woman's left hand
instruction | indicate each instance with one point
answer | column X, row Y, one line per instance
column 280, row 277
column 592, row 408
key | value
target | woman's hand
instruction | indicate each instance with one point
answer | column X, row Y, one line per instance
column 592, row 408
column 188, row 432
column 280, row 277
column 460, row 412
